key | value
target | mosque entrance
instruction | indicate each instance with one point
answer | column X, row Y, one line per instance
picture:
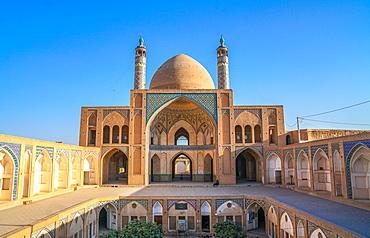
column 181, row 168
column 115, row 168
column 246, row 167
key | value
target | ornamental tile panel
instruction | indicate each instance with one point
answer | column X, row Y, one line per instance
column 10, row 147
column 255, row 111
column 239, row 201
column 349, row 149
column 124, row 202
column 297, row 150
column 334, row 147
column 155, row 100
column 65, row 151
column 93, row 153
column 269, row 152
column 316, row 147
column 50, row 228
column 50, row 151
column 261, row 203
column 192, row 203
column 123, row 112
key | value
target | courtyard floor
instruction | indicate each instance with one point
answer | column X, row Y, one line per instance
column 347, row 217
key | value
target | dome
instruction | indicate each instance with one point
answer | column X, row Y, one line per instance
column 181, row 72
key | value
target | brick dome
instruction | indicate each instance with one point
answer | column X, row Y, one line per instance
column 181, row 72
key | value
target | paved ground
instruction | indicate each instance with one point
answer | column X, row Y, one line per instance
column 350, row 218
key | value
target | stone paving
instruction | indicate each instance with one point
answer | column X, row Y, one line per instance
column 347, row 217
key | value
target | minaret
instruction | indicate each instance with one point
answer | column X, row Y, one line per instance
column 223, row 65
column 140, row 65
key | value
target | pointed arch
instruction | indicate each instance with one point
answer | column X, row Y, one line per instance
column 274, row 169
column 61, row 172
column 75, row 168
column 7, row 173
column 181, row 128
column 230, row 211
column 303, row 170
column 155, row 168
column 286, row 225
column 360, row 173
column 42, row 175
column 76, row 226
column 317, row 233
column 115, row 166
column 157, row 213
column 300, row 229
column 182, row 166
column 321, row 171
column 90, row 170
column 255, row 216
column 289, row 168
column 272, row 225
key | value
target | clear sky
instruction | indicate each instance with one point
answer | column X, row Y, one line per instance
column 57, row 56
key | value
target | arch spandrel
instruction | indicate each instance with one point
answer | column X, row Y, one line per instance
column 156, row 101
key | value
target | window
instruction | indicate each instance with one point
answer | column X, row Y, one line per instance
column 106, row 134
column 181, row 137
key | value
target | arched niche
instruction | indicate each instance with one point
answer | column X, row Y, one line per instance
column 303, row 170
column 274, row 169
column 230, row 211
column 360, row 173
column 90, row 170
column 321, row 171
column 7, row 169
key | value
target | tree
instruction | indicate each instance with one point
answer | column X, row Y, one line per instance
column 137, row 229
column 228, row 229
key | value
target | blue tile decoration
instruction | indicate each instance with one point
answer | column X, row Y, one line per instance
column 227, row 111
column 78, row 152
column 66, row 152
column 288, row 151
column 205, row 200
column 29, row 148
column 297, row 150
column 192, row 203
column 281, row 212
column 239, row 201
column 123, row 112
column 137, row 112
column 255, row 111
column 93, row 153
column 268, row 205
column 261, row 203
column 349, row 149
column 312, row 227
column 155, row 100
column 50, row 151
column 16, row 148
column 124, row 202
column 157, row 200
column 316, row 147
column 269, row 152
column 81, row 212
column 334, row 147
column 111, row 202
column 298, row 218
column 50, row 229
column 13, row 150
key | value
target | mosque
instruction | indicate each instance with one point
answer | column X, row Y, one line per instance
column 184, row 130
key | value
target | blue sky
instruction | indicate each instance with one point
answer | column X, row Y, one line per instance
column 57, row 56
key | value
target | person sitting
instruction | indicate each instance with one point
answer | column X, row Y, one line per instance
column 215, row 184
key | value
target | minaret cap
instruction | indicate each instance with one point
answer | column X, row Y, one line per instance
column 222, row 41
column 141, row 41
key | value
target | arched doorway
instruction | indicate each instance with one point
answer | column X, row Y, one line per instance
column 6, row 176
column 181, row 168
column 107, row 218
column 247, row 167
column 115, row 167
column 255, row 221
